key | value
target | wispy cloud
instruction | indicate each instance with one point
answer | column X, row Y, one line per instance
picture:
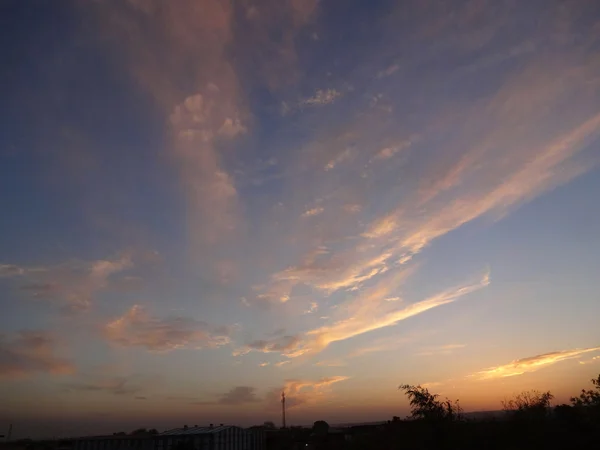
column 590, row 361
column 390, row 151
column 446, row 349
column 368, row 312
column 531, row 364
column 352, row 208
column 343, row 156
column 321, row 97
column 200, row 115
column 299, row 392
column 313, row 212
column 192, row 75
column 314, row 306
column 354, row 183
column 31, row 352
column 238, row 395
column 10, row 270
column 116, row 385
column 210, row 187
column 388, row 71
column 332, row 273
column 376, row 346
column 493, row 165
column 137, row 328
column 282, row 344
column 72, row 284
column 366, row 316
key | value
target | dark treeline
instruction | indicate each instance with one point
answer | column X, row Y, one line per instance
column 529, row 422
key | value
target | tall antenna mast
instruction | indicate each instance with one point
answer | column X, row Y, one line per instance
column 283, row 408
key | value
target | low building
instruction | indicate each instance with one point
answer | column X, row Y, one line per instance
column 210, row 438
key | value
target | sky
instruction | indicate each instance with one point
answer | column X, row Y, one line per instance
column 206, row 203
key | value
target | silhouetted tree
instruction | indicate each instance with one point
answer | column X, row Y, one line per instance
column 320, row 427
column 589, row 397
column 529, row 405
column 424, row 405
column 588, row 404
column 528, row 400
column 269, row 425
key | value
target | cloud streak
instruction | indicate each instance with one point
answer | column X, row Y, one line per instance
column 368, row 312
column 531, row 364
column 118, row 385
column 300, row 392
column 364, row 320
column 283, row 344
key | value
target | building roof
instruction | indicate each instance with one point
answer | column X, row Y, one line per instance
column 195, row 430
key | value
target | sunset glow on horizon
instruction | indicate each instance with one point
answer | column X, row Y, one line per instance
column 208, row 203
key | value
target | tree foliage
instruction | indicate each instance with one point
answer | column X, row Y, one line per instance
column 528, row 401
column 588, row 397
column 425, row 405
column 320, row 427
column 529, row 404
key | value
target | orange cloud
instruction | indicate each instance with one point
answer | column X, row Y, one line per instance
column 367, row 318
column 332, row 273
column 299, row 392
column 531, row 364
column 313, row 212
column 591, row 360
column 368, row 312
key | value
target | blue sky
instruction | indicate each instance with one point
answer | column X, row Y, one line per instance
column 209, row 202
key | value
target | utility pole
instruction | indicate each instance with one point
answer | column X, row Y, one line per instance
column 283, row 408
column 9, row 432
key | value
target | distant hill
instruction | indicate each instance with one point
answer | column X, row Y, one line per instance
column 473, row 415
column 485, row 415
